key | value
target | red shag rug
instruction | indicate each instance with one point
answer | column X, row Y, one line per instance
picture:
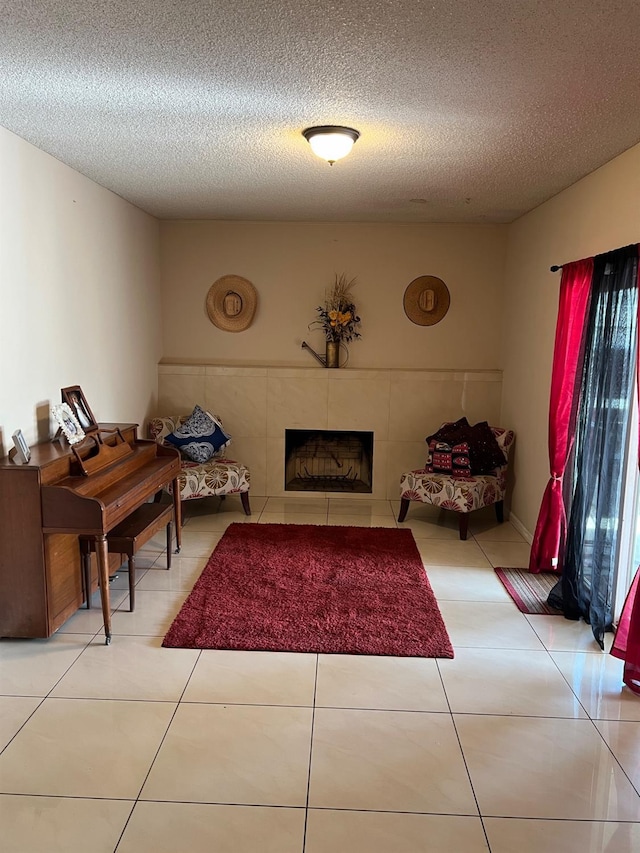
column 307, row 588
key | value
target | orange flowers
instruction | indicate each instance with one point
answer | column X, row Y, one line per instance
column 339, row 319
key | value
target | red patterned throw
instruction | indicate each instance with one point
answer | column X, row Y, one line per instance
column 307, row 588
column 450, row 459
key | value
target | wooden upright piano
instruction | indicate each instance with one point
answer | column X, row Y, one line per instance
column 61, row 493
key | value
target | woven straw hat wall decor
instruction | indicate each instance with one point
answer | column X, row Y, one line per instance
column 231, row 303
column 426, row 300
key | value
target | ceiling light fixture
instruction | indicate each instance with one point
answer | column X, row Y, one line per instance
column 330, row 142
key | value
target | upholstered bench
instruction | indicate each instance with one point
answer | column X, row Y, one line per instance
column 127, row 538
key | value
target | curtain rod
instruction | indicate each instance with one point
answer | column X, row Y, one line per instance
column 557, row 267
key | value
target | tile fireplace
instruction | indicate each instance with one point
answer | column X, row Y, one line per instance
column 328, row 461
column 259, row 403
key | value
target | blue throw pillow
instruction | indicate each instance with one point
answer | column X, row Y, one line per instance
column 199, row 437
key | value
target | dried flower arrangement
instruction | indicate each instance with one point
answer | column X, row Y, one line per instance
column 337, row 317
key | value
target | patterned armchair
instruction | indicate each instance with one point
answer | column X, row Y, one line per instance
column 217, row 476
column 461, row 495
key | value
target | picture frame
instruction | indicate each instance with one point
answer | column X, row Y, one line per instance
column 77, row 402
column 23, row 451
column 68, row 423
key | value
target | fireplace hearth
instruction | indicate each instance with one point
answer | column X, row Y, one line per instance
column 328, row 461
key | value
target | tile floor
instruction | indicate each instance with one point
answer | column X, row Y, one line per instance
column 525, row 742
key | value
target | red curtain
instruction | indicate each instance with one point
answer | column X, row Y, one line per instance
column 548, row 540
column 626, row 643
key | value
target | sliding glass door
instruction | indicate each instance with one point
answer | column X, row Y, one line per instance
column 629, row 540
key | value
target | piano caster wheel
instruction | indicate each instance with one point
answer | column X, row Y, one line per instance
column 177, row 551
column 107, row 640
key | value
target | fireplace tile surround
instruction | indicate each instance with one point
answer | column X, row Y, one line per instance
column 258, row 403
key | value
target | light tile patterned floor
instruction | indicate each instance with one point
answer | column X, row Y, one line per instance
column 525, row 742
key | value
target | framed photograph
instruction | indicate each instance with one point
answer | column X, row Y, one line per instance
column 77, row 402
column 23, row 453
column 68, row 423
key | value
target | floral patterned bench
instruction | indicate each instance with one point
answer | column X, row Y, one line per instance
column 461, row 495
column 217, row 476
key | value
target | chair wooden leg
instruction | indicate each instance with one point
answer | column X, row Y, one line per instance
column 102, row 554
column 132, row 582
column 463, row 524
column 500, row 511
column 86, row 570
column 244, row 497
column 169, row 545
column 404, row 506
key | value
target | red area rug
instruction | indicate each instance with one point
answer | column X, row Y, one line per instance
column 306, row 588
column 529, row 591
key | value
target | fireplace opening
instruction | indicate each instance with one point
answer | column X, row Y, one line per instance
column 328, row 461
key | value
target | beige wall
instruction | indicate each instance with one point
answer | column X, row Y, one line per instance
column 79, row 301
column 599, row 213
column 291, row 264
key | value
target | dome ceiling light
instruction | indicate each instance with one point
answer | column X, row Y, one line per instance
column 331, row 142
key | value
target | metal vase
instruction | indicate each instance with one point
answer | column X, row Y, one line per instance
column 333, row 354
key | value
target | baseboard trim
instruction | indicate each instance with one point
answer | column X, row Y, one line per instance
column 519, row 526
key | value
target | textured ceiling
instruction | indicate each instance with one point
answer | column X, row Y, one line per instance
column 469, row 110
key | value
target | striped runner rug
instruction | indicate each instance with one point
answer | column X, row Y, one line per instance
column 529, row 591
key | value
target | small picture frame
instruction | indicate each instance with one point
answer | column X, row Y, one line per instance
column 23, row 452
column 77, row 402
column 68, row 423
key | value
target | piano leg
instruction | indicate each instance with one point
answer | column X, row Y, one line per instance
column 177, row 512
column 102, row 554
